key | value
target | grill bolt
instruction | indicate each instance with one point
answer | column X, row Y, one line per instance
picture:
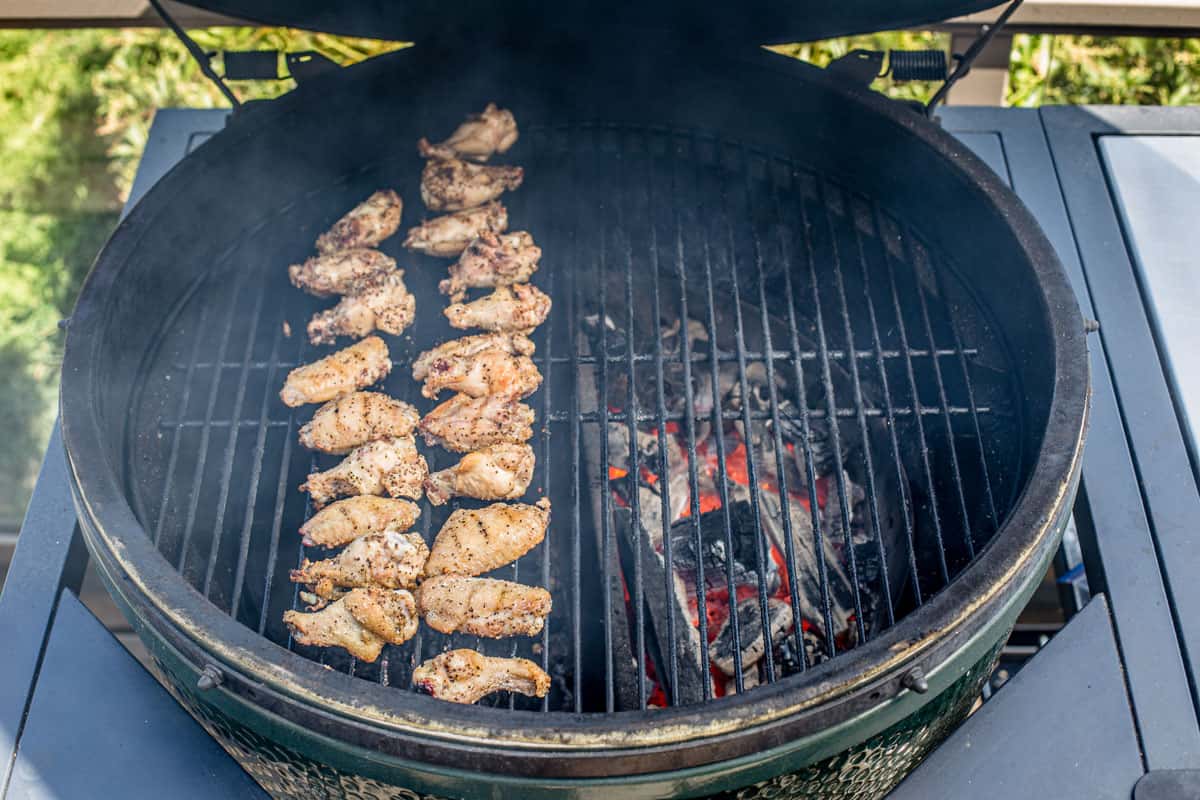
column 914, row 680
column 210, row 678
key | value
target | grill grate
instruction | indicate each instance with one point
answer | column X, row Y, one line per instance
column 856, row 340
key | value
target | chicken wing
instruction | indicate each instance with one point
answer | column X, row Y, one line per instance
column 464, row 676
column 463, row 423
column 340, row 272
column 449, row 184
column 362, row 622
column 450, row 234
column 519, row 308
column 348, row 370
column 477, row 138
column 344, row 521
column 341, row 425
column 438, row 359
column 391, row 559
column 382, row 303
column 392, row 465
column 474, row 541
column 492, row 261
column 366, row 225
column 490, row 372
column 483, row 606
column 499, row 472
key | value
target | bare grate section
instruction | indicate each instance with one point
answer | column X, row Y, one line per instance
column 773, row 421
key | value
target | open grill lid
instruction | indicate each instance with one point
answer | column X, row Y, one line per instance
column 756, row 21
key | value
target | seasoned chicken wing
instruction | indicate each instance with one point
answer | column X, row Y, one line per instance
column 449, row 184
column 463, row 423
column 344, row 521
column 519, row 308
column 450, row 234
column 464, row 676
column 492, row 261
column 391, row 559
column 382, row 303
column 362, row 622
column 366, row 225
column 341, row 272
column 341, row 425
column 438, row 359
column 476, row 139
column 499, row 472
column 490, row 372
column 483, row 606
column 474, row 541
column 392, row 465
column 343, row 372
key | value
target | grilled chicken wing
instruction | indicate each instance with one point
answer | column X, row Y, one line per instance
column 341, row 425
column 477, row 138
column 362, row 622
column 499, row 472
column 345, row 371
column 474, row 541
column 483, row 606
column 340, row 272
column 490, row 372
column 450, row 234
column 367, row 224
column 519, row 308
column 391, row 559
column 382, row 303
column 392, row 465
column 463, row 423
column 431, row 361
column 449, row 184
column 492, row 261
column 464, row 676
column 346, row 520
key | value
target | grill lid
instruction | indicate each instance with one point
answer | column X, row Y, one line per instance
column 755, row 21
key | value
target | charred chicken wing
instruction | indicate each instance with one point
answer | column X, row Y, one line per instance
column 464, row 676
column 435, row 360
column 367, row 224
column 344, row 521
column 450, row 184
column 340, row 373
column 449, row 235
column 476, row 139
column 490, row 372
column 341, row 272
column 519, row 308
column 483, row 606
column 390, row 465
column 499, row 472
column 362, row 622
column 474, row 541
column 341, row 425
column 492, row 261
column 463, row 423
column 382, row 303
column 391, row 559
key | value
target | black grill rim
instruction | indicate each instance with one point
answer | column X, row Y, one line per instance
column 829, row 693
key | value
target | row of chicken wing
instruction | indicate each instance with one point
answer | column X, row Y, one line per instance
column 373, row 592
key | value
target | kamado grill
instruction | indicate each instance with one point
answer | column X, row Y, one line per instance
column 809, row 362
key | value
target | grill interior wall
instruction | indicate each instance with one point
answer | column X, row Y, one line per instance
column 622, row 214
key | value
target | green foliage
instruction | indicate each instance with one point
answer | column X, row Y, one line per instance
column 1103, row 70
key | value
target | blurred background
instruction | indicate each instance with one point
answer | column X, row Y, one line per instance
column 76, row 106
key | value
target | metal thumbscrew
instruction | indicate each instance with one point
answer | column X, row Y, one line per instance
column 1090, row 326
column 210, row 678
column 914, row 680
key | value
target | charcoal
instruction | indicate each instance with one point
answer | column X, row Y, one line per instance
column 750, row 633
column 714, row 547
